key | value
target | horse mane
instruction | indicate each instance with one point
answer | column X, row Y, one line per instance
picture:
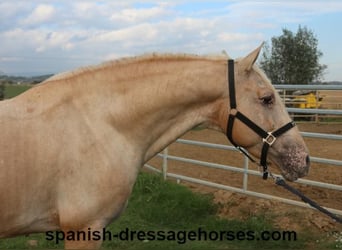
column 136, row 59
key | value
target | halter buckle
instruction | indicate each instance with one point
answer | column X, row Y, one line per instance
column 270, row 139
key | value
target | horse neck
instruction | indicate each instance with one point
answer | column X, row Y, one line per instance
column 150, row 102
column 154, row 102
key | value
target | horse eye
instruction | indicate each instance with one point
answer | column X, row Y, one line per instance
column 267, row 100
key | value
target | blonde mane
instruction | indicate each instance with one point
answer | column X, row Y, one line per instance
column 135, row 59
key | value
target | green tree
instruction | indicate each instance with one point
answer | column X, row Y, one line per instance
column 293, row 58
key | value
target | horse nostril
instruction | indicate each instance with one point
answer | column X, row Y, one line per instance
column 307, row 159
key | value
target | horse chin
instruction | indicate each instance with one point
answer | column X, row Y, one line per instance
column 293, row 176
column 285, row 173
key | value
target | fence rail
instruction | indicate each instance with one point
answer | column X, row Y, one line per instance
column 307, row 87
column 320, row 103
column 245, row 169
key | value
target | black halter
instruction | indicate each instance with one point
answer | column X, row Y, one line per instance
column 267, row 137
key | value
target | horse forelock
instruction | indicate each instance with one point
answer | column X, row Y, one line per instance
column 135, row 59
column 263, row 76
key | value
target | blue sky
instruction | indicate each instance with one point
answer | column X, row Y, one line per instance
column 50, row 36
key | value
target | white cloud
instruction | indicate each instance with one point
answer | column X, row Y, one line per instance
column 9, row 10
column 133, row 15
column 133, row 34
column 239, row 37
column 40, row 14
column 54, row 39
column 86, row 32
column 9, row 59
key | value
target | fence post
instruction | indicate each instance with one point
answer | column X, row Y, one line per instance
column 317, row 106
column 164, row 170
column 245, row 173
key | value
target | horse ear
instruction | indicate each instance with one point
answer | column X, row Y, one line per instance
column 248, row 62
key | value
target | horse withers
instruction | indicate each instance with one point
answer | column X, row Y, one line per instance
column 71, row 147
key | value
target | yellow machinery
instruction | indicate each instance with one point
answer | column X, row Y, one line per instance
column 306, row 100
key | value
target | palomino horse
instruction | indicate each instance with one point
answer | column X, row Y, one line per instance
column 71, row 147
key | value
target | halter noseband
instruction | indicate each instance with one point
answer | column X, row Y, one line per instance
column 268, row 138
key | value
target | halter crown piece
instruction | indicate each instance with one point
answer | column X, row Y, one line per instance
column 268, row 138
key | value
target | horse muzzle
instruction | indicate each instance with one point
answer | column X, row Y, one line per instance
column 294, row 163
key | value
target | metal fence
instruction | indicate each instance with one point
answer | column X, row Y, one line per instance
column 321, row 103
column 245, row 171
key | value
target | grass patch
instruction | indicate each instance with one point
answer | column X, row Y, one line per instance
column 12, row 90
column 330, row 119
column 157, row 205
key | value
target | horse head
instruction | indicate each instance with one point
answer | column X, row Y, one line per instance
column 263, row 126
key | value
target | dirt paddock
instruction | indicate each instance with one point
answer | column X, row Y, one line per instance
column 242, row 206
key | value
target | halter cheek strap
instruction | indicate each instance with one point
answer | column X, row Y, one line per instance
column 268, row 138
